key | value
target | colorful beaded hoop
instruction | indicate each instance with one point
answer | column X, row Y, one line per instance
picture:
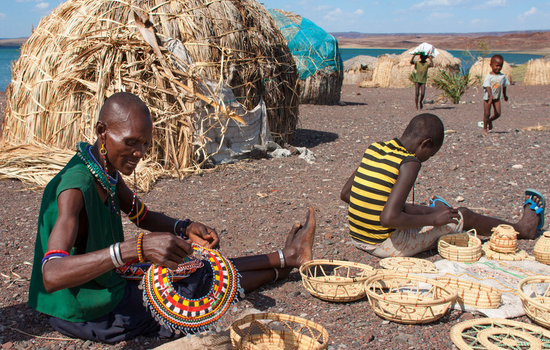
column 133, row 270
column 184, row 314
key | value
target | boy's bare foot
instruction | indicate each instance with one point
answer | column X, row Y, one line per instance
column 490, row 125
column 299, row 250
column 484, row 131
column 527, row 225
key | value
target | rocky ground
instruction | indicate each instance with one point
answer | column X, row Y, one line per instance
column 252, row 204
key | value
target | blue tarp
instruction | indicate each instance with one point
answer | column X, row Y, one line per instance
column 312, row 48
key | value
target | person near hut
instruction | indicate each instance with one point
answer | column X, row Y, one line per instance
column 383, row 224
column 495, row 84
column 80, row 248
column 420, row 78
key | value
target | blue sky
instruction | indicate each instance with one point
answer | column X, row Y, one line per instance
column 17, row 17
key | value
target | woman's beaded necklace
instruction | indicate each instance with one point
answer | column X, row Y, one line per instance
column 84, row 151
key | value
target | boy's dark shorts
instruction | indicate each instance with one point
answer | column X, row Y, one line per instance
column 130, row 318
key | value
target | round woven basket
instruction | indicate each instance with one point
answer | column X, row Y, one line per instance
column 406, row 265
column 534, row 292
column 472, row 293
column 336, row 281
column 461, row 247
column 504, row 239
column 407, row 298
column 266, row 331
column 542, row 248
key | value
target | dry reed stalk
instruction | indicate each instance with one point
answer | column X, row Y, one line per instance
column 394, row 71
column 537, row 72
column 483, row 67
column 85, row 51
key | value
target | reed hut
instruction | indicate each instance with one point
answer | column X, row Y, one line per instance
column 217, row 77
column 358, row 69
column 537, row 71
column 482, row 67
column 393, row 71
column 317, row 58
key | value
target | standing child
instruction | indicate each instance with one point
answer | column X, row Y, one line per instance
column 420, row 78
column 383, row 224
column 495, row 84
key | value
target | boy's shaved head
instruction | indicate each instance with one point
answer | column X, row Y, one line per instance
column 497, row 57
column 424, row 126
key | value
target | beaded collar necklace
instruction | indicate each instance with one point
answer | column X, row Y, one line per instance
column 84, row 151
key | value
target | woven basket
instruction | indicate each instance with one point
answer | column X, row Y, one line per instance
column 265, row 331
column 504, row 239
column 534, row 292
column 542, row 248
column 406, row 265
column 336, row 281
column 407, row 298
column 472, row 293
column 461, row 247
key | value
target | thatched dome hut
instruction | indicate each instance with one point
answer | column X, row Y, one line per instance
column 482, row 67
column 394, row 71
column 358, row 69
column 317, row 58
column 537, row 72
column 202, row 67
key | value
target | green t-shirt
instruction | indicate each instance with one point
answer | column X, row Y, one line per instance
column 421, row 72
column 100, row 295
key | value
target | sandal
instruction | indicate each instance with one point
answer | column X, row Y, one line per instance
column 438, row 199
column 534, row 206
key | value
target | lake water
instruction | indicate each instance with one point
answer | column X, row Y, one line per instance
column 10, row 54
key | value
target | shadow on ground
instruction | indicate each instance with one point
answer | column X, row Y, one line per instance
column 311, row 138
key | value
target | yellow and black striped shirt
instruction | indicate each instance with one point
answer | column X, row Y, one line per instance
column 371, row 188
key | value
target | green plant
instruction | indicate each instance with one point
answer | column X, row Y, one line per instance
column 452, row 85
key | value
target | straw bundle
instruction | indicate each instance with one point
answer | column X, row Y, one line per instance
column 265, row 331
column 336, row 281
column 394, row 71
column 482, row 67
column 176, row 55
column 537, row 72
column 473, row 294
column 534, row 292
column 407, row 298
column 358, row 69
column 317, row 58
column 461, row 247
column 541, row 251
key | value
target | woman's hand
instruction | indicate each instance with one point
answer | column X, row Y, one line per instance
column 202, row 235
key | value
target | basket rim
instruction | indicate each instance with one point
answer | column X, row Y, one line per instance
column 453, row 294
column 354, row 280
column 525, row 297
column 414, row 269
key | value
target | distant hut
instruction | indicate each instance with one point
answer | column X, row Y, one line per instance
column 394, row 71
column 202, row 67
column 317, row 58
column 482, row 67
column 537, row 71
column 358, row 69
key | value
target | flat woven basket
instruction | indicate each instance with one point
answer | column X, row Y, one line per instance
column 336, row 281
column 406, row 265
column 266, row 331
column 472, row 293
column 461, row 247
column 408, row 298
column 534, row 292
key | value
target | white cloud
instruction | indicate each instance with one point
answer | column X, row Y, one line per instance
column 436, row 3
column 324, row 8
column 528, row 13
column 23, row 0
column 491, row 4
column 3, row 15
column 339, row 15
column 42, row 6
column 440, row 15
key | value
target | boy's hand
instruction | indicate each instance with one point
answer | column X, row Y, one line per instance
column 505, row 98
column 445, row 216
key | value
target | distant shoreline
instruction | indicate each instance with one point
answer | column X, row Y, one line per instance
column 527, row 52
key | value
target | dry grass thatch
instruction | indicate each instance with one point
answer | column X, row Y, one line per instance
column 482, row 67
column 394, row 71
column 358, row 69
column 314, row 49
column 538, row 72
column 173, row 54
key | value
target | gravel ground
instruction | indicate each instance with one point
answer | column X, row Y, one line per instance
column 252, row 205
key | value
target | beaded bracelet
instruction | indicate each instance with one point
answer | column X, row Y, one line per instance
column 53, row 254
column 141, row 258
column 183, row 227
column 140, row 215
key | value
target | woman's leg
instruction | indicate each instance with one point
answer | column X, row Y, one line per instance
column 422, row 93
column 416, row 92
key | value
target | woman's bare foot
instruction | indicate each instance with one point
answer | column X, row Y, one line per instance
column 299, row 250
column 292, row 233
column 527, row 225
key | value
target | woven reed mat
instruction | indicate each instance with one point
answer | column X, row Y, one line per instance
column 502, row 275
column 206, row 340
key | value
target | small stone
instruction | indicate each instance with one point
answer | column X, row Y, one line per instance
column 295, row 294
column 385, row 322
column 7, row 345
column 459, row 199
column 517, row 166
